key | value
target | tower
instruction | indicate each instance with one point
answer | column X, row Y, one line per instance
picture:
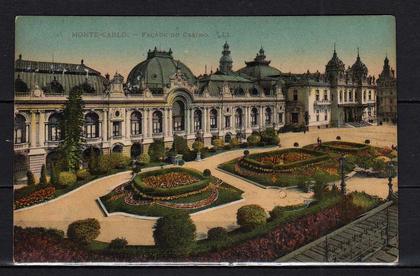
column 225, row 63
column 334, row 70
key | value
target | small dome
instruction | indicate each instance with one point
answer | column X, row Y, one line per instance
column 259, row 68
column 335, row 63
column 157, row 69
column 359, row 69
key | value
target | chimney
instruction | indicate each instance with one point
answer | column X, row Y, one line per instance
column 81, row 62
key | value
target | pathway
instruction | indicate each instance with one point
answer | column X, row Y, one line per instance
column 81, row 204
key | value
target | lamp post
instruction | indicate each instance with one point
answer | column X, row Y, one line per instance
column 343, row 183
column 390, row 172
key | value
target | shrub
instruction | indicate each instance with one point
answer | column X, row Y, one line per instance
column 234, row 142
column 82, row 174
column 180, row 144
column 251, row 216
column 254, row 139
column 207, row 173
column 367, row 141
column 296, row 144
column 104, row 164
column 198, row 146
column 30, row 179
column 269, row 136
column 143, row 159
column 157, row 150
column 276, row 213
column 43, row 179
column 227, row 147
column 175, row 233
column 246, row 153
column 243, row 145
column 189, row 155
column 84, row 231
column 118, row 243
column 217, row 234
column 66, row 178
column 54, row 174
column 118, row 160
column 93, row 162
column 181, row 162
column 338, row 138
column 218, row 143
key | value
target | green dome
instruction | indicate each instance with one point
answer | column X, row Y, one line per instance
column 259, row 68
column 157, row 69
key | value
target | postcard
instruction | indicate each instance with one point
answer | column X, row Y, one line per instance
column 205, row 140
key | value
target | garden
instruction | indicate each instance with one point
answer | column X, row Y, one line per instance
column 159, row 192
column 260, row 237
column 302, row 166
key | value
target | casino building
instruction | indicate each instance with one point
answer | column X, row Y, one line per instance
column 162, row 98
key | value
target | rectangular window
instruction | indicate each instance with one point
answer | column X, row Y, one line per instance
column 295, row 95
column 116, row 129
column 317, row 115
column 317, row 95
column 326, row 115
column 350, row 96
column 325, row 95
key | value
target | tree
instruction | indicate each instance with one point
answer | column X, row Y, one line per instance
column 72, row 126
column 84, row 231
column 157, row 150
column 251, row 216
column 180, row 144
column 93, row 162
column 54, row 174
column 175, row 233
column 198, row 146
column 30, row 179
column 43, row 179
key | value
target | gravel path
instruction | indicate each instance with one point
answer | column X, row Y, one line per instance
column 81, row 204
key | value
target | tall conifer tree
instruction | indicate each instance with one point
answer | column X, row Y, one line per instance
column 72, row 127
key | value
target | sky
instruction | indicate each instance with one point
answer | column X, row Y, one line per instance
column 293, row 44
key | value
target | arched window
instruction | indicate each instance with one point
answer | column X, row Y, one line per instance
column 20, row 129
column 238, row 118
column 136, row 126
column 254, row 116
column 54, row 127
column 118, row 148
column 239, row 91
column 197, row 120
column 157, row 122
column 91, row 125
column 254, row 91
column 178, row 115
column 268, row 116
column 213, row 118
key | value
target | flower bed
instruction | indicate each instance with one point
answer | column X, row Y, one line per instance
column 344, row 147
column 126, row 198
column 35, row 197
column 185, row 182
column 304, row 157
column 266, row 243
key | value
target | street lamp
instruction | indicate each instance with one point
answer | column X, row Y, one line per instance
column 343, row 183
column 390, row 172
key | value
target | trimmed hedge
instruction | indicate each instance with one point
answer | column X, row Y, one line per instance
column 251, row 163
column 335, row 146
column 84, row 231
column 150, row 191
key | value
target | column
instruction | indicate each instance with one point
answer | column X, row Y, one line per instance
column 150, row 122
column 165, row 122
column 219, row 119
column 127, row 125
column 205, row 120
column 41, row 128
column 123, row 128
column 170, row 126
column 247, row 117
column 144, row 123
column 105, row 126
column 33, row 129
column 261, row 116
